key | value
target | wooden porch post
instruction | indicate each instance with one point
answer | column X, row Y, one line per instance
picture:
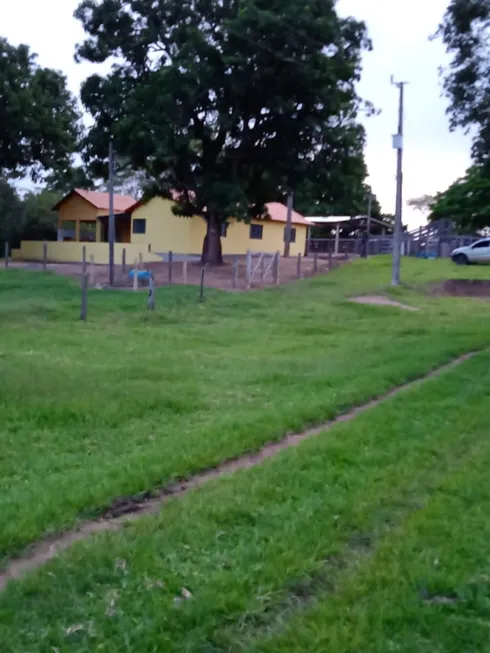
column 77, row 231
column 98, row 231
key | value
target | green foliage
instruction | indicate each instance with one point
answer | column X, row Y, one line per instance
column 27, row 218
column 66, row 178
column 227, row 103
column 40, row 219
column 465, row 31
column 466, row 202
column 38, row 115
column 12, row 215
column 338, row 193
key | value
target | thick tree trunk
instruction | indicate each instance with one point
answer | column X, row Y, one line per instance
column 211, row 249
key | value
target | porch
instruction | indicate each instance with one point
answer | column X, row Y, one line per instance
column 95, row 230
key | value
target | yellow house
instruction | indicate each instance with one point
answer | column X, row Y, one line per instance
column 83, row 216
column 154, row 223
column 151, row 229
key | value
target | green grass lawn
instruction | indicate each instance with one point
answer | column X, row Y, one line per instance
column 372, row 537
column 130, row 400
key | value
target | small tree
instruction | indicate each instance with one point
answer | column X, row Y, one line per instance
column 423, row 204
column 224, row 104
column 12, row 215
column 466, row 202
column 40, row 221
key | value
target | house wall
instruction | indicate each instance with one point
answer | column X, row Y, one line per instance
column 238, row 241
column 164, row 230
column 168, row 232
column 72, row 252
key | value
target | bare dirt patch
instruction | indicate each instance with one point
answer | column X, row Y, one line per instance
column 381, row 300
column 220, row 277
column 478, row 288
column 125, row 509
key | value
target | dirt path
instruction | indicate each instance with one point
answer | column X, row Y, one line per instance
column 130, row 508
column 381, row 300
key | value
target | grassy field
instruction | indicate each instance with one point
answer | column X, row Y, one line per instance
column 130, row 401
column 373, row 537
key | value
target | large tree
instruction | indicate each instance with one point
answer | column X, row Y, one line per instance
column 38, row 115
column 466, row 202
column 224, row 104
column 465, row 31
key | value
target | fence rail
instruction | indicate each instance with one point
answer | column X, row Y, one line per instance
column 350, row 246
column 432, row 241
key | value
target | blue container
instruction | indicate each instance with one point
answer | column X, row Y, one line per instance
column 141, row 274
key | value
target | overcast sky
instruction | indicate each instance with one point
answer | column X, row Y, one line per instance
column 400, row 31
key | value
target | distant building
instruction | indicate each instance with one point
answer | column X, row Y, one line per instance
column 151, row 229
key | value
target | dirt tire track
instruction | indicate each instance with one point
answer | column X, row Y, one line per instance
column 131, row 508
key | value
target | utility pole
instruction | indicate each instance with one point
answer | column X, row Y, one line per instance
column 112, row 222
column 398, row 146
column 289, row 222
column 370, row 213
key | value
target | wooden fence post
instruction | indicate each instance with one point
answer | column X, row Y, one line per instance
column 201, row 289
column 84, row 260
column 298, row 270
column 275, row 272
column 234, row 272
column 92, row 270
column 170, row 264
column 262, row 269
column 135, row 275
column 315, row 263
column 45, row 255
column 248, row 271
column 151, row 293
column 123, row 267
column 184, row 272
column 7, row 254
column 83, row 305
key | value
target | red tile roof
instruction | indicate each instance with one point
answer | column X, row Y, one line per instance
column 101, row 200
column 278, row 213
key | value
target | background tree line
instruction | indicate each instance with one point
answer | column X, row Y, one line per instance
column 465, row 31
column 231, row 104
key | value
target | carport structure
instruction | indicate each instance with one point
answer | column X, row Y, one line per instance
column 337, row 221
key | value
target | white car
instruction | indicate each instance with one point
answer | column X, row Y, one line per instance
column 479, row 252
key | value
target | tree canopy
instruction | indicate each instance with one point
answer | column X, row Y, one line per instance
column 465, row 31
column 349, row 196
column 38, row 115
column 466, row 202
column 228, row 103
